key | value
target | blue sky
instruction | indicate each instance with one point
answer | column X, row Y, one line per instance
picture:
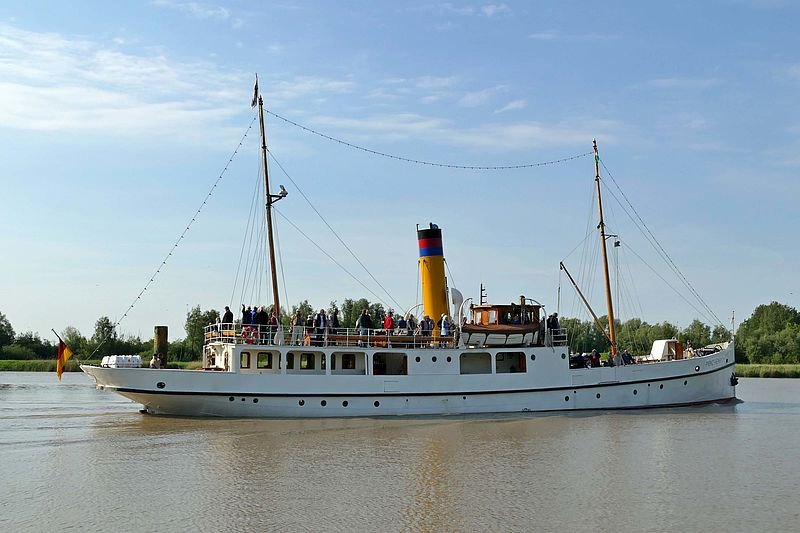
column 116, row 120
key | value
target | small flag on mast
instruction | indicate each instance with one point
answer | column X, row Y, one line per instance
column 64, row 353
column 255, row 94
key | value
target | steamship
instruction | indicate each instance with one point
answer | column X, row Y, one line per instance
column 494, row 359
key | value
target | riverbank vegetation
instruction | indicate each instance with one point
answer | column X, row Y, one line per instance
column 767, row 343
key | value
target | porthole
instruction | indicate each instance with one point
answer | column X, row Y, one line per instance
column 685, row 382
column 230, row 399
column 417, row 359
column 726, row 359
column 463, row 397
column 597, row 395
column 563, row 356
column 378, row 404
column 635, row 392
column 449, row 359
column 161, row 384
column 323, row 403
column 344, row 403
column 697, row 368
column 433, row 358
column 243, row 399
column 302, row 402
column 533, row 357
column 661, row 386
column 255, row 400
column 566, row 398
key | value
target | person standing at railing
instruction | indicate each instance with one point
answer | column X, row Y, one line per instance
column 320, row 324
column 297, row 329
column 364, row 323
column 272, row 329
column 227, row 317
column 402, row 326
column 388, row 322
column 333, row 323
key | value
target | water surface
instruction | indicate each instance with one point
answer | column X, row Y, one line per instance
column 75, row 458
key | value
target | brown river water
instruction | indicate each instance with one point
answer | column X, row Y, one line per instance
column 77, row 459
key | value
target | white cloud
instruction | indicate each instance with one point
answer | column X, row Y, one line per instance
column 683, row 83
column 512, row 106
column 435, row 82
column 555, row 35
column 55, row 83
column 491, row 10
column 195, row 9
column 476, row 98
column 495, row 137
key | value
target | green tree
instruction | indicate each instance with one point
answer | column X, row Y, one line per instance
column 76, row 342
column 103, row 342
column 351, row 310
column 720, row 334
column 196, row 322
column 768, row 336
column 6, row 331
column 31, row 341
column 697, row 333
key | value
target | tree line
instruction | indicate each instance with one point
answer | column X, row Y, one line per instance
column 771, row 335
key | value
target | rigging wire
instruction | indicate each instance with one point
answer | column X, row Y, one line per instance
column 244, row 242
column 300, row 190
column 657, row 245
column 419, row 161
column 329, row 256
column 180, row 238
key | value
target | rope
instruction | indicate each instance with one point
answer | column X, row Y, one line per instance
column 419, row 161
column 657, row 245
column 329, row 256
column 180, row 238
column 334, row 232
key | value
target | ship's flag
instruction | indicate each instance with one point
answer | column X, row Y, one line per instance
column 255, row 94
column 64, row 353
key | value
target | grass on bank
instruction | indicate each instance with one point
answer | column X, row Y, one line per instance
column 768, row 371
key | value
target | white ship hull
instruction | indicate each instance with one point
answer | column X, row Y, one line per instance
column 429, row 388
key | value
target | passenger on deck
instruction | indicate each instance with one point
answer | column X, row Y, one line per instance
column 388, row 322
column 320, row 324
column 246, row 321
column 333, row 322
column 411, row 325
column 402, row 326
column 227, row 318
column 273, row 327
column 594, row 359
column 444, row 325
column 297, row 329
column 627, row 359
column 426, row 326
column 364, row 323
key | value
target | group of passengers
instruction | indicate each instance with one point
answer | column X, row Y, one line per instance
column 257, row 324
column 593, row 360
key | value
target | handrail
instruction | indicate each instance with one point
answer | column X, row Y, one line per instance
column 266, row 335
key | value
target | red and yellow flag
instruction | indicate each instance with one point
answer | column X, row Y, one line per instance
column 64, row 353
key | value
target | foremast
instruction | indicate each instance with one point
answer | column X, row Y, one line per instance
column 612, row 334
column 271, row 199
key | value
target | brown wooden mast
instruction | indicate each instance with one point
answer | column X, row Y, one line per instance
column 271, row 198
column 612, row 334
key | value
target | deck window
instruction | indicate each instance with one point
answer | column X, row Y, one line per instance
column 290, row 361
column 307, row 361
column 348, row 361
column 264, row 360
column 390, row 364
column 475, row 363
column 245, row 360
column 510, row 362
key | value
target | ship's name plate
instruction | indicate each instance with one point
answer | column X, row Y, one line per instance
column 714, row 363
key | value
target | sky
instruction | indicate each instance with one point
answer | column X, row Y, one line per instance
column 117, row 119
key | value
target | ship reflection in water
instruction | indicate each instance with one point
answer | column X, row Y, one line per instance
column 73, row 459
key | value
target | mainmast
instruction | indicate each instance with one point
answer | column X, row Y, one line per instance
column 271, row 199
column 612, row 334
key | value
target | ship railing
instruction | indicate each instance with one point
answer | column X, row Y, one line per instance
column 308, row 336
